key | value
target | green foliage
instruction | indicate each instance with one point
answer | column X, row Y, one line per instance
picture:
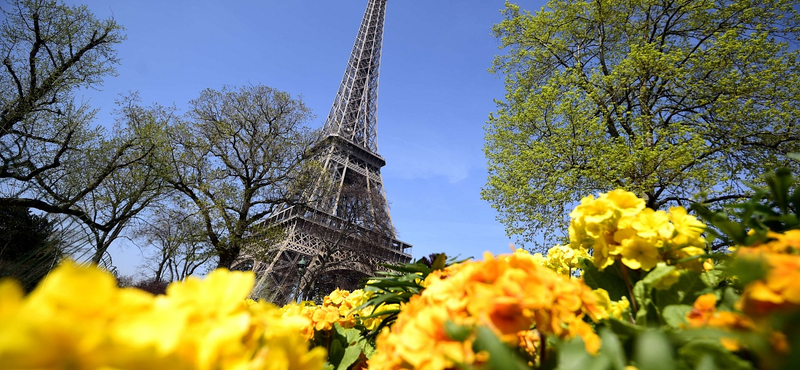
column 52, row 157
column 49, row 50
column 28, row 248
column 501, row 357
column 609, row 280
column 774, row 207
column 399, row 284
column 674, row 101
column 347, row 348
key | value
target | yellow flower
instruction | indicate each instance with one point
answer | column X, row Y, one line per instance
column 779, row 290
column 591, row 219
column 688, row 229
column 563, row 259
column 78, row 319
column 324, row 317
column 639, row 253
column 786, row 242
column 704, row 313
column 615, row 309
column 605, row 251
column 336, row 297
column 626, row 202
column 650, row 224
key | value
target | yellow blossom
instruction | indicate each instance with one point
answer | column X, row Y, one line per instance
column 780, row 289
column 639, row 253
column 650, row 224
column 78, row 319
column 688, row 229
column 627, row 203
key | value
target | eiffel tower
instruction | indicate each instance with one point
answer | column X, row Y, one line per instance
column 341, row 236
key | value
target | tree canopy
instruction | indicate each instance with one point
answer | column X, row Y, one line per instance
column 238, row 155
column 676, row 101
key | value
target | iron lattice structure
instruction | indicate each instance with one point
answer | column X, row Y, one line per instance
column 344, row 231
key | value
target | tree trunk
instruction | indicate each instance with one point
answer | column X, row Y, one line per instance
column 227, row 256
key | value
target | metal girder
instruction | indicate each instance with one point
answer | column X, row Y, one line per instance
column 350, row 229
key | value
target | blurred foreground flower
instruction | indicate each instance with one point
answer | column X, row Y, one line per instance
column 78, row 319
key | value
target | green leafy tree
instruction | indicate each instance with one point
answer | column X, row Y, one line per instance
column 240, row 154
column 138, row 147
column 673, row 100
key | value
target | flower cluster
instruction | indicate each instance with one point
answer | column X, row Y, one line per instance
column 564, row 260
column 79, row 319
column 619, row 310
column 704, row 313
column 510, row 294
column 339, row 307
column 780, row 288
column 617, row 226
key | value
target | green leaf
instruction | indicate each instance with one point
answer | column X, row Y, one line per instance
column 712, row 278
column 658, row 273
column 653, row 351
column 501, row 357
column 351, row 355
column 675, row 315
column 348, row 345
column 684, row 291
column 611, row 347
column 779, row 184
column 351, row 335
column 573, row 355
column 729, row 299
column 439, row 262
column 696, row 351
column 641, row 293
column 706, row 363
column 335, row 352
column 606, row 279
column 624, row 329
column 457, row 332
column 748, row 270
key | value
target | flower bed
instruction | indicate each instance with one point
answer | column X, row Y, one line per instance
column 635, row 287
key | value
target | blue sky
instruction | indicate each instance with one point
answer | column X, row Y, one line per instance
column 435, row 91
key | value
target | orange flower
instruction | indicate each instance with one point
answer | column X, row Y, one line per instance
column 704, row 313
column 780, row 288
column 508, row 294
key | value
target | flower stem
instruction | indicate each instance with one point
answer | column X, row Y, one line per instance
column 630, row 291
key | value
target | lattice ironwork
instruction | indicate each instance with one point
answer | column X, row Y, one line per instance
column 347, row 230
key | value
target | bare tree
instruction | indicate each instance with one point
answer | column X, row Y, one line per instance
column 178, row 242
column 49, row 50
column 52, row 158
